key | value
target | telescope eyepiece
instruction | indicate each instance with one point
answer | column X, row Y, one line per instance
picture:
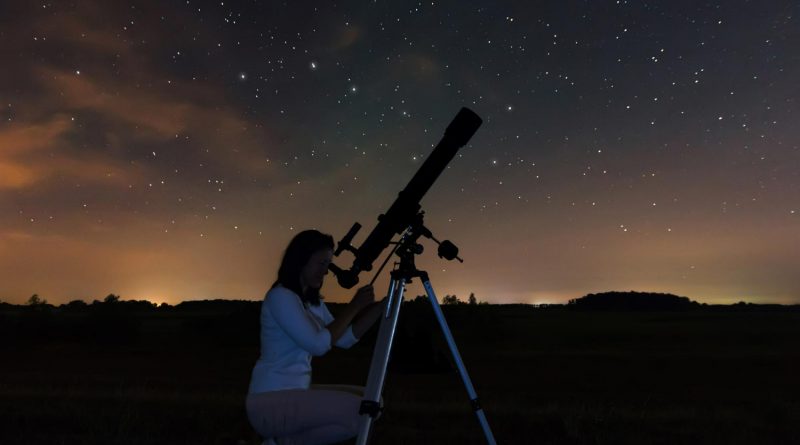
column 346, row 278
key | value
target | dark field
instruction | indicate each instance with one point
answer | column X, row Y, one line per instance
column 544, row 376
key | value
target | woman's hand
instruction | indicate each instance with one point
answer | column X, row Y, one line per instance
column 364, row 297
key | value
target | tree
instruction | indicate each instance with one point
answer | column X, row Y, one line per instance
column 472, row 299
column 35, row 300
column 111, row 298
column 450, row 299
column 633, row 301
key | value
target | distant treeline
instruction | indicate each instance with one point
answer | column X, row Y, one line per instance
column 651, row 301
column 115, row 303
column 633, row 301
column 116, row 321
column 605, row 301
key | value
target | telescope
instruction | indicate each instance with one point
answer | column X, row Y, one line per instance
column 405, row 211
column 405, row 218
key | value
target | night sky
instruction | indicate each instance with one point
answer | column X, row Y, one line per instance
column 169, row 150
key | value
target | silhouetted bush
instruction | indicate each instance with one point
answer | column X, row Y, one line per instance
column 74, row 306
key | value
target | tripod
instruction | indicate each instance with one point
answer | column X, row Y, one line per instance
column 370, row 406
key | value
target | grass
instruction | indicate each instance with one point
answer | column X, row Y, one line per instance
column 543, row 376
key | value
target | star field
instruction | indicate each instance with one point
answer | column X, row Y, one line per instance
column 169, row 151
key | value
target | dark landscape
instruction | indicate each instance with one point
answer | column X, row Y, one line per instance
column 614, row 368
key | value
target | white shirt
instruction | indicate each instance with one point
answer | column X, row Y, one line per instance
column 291, row 332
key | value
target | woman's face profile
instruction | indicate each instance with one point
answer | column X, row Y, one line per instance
column 316, row 268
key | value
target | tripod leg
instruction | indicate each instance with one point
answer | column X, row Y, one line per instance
column 380, row 360
column 462, row 370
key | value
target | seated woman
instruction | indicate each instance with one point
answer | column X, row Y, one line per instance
column 282, row 404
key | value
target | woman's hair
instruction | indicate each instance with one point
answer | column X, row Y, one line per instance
column 297, row 254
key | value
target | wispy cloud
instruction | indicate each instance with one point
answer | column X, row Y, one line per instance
column 111, row 103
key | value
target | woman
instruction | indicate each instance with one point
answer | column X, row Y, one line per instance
column 282, row 404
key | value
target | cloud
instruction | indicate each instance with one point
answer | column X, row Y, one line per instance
column 32, row 154
column 19, row 139
column 148, row 112
column 75, row 126
column 143, row 111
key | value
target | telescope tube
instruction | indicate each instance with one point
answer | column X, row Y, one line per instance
column 402, row 212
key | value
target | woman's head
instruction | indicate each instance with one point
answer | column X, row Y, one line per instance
column 305, row 264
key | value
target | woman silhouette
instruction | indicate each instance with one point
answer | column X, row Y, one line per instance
column 282, row 404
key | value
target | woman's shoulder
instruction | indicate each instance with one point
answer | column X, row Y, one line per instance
column 280, row 293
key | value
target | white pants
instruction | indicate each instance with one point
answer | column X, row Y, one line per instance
column 320, row 415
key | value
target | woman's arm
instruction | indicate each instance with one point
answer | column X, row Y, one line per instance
column 364, row 298
column 366, row 318
column 288, row 312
